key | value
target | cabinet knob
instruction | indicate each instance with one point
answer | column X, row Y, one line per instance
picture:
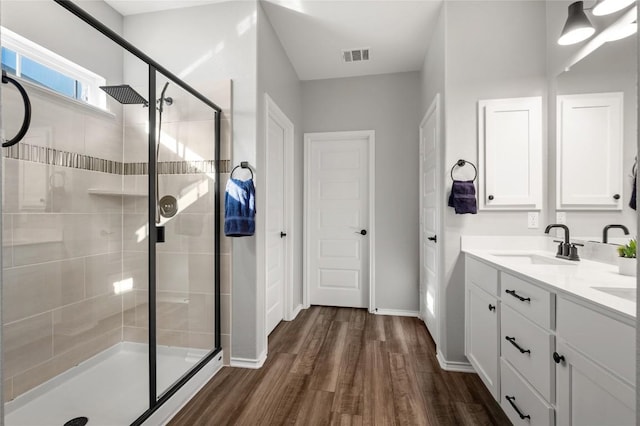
column 616, row 197
column 490, row 197
column 558, row 358
column 492, row 307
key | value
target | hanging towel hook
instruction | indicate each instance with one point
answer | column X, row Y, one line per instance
column 462, row 163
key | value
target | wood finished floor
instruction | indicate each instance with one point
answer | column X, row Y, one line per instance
column 341, row 366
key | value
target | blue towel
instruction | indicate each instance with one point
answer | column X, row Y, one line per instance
column 463, row 197
column 239, row 208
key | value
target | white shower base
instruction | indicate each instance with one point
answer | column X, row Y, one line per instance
column 111, row 389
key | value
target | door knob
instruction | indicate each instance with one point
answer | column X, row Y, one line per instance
column 362, row 232
column 558, row 358
column 616, row 197
column 434, row 238
column 283, row 234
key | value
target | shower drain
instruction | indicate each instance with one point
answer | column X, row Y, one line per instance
column 78, row 421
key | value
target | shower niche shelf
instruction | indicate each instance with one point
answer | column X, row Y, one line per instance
column 115, row 192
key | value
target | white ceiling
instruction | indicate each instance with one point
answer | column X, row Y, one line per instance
column 134, row 7
column 314, row 32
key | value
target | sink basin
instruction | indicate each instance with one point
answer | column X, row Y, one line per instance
column 531, row 259
column 623, row 292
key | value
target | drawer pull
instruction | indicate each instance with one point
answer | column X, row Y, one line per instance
column 492, row 307
column 517, row 296
column 558, row 358
column 515, row 407
column 512, row 340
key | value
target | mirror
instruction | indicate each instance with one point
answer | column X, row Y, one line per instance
column 612, row 68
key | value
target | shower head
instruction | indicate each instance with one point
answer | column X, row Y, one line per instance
column 125, row 94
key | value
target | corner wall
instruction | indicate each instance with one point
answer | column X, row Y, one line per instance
column 203, row 45
column 278, row 79
column 482, row 63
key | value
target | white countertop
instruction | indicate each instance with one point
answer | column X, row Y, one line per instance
column 575, row 279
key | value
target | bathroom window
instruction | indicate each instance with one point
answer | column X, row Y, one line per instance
column 42, row 67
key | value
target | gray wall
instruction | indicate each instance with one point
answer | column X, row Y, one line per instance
column 433, row 82
column 278, row 79
column 494, row 49
column 388, row 104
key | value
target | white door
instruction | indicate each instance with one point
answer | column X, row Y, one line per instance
column 429, row 213
column 481, row 336
column 587, row 394
column 337, row 214
column 274, row 224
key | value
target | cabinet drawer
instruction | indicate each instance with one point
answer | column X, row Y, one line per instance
column 529, row 300
column 534, row 358
column 605, row 340
column 523, row 405
column 482, row 275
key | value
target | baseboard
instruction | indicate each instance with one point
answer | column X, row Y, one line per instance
column 461, row 367
column 296, row 311
column 397, row 313
column 248, row 362
column 169, row 409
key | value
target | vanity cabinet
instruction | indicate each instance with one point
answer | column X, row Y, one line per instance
column 510, row 147
column 482, row 323
column 589, row 151
column 595, row 357
column 547, row 358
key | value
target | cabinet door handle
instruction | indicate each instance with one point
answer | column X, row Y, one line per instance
column 492, row 307
column 515, row 407
column 616, row 197
column 558, row 358
column 512, row 340
column 517, row 296
column 490, row 197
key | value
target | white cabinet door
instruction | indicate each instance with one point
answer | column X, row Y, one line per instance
column 589, row 152
column 481, row 336
column 510, row 154
column 587, row 394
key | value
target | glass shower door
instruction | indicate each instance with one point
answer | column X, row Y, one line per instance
column 73, row 263
column 185, row 271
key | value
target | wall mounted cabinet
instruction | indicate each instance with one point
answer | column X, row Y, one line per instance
column 510, row 154
column 589, row 151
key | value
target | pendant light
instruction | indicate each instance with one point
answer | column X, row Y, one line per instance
column 578, row 27
column 606, row 7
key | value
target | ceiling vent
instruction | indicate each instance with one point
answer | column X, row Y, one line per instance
column 355, row 55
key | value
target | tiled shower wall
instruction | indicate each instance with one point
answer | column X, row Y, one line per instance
column 62, row 248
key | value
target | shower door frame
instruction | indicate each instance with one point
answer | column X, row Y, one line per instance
column 154, row 68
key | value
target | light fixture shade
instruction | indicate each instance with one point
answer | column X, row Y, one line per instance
column 605, row 7
column 578, row 27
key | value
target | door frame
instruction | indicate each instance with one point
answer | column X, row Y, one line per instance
column 434, row 109
column 273, row 111
column 370, row 135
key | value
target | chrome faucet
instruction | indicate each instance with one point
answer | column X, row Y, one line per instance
column 566, row 249
column 605, row 231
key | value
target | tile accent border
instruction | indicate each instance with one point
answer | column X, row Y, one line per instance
column 55, row 157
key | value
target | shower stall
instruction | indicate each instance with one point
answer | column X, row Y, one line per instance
column 110, row 223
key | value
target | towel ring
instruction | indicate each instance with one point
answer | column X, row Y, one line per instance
column 462, row 163
column 243, row 165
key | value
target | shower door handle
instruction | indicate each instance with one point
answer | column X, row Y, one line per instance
column 27, row 111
